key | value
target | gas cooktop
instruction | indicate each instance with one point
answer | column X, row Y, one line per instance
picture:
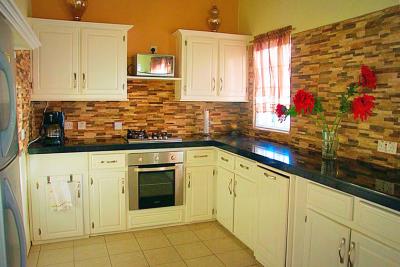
column 141, row 136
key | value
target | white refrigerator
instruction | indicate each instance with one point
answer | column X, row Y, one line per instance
column 12, row 235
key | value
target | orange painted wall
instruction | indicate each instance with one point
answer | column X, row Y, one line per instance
column 154, row 20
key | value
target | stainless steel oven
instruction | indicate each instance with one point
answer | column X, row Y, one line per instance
column 155, row 180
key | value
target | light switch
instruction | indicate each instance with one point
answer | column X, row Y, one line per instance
column 81, row 125
column 68, row 125
column 118, row 125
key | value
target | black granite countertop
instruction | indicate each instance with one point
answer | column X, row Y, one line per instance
column 374, row 183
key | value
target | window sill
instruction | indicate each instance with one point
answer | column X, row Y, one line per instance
column 270, row 130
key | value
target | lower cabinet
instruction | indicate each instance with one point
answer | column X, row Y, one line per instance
column 225, row 198
column 47, row 221
column 271, row 218
column 199, row 193
column 107, row 202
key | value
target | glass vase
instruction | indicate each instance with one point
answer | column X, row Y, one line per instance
column 329, row 144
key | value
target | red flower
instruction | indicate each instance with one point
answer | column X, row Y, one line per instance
column 280, row 111
column 303, row 101
column 368, row 78
column 362, row 106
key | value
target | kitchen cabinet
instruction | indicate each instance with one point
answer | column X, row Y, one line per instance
column 271, row 217
column 225, row 198
column 79, row 61
column 107, row 201
column 199, row 193
column 47, row 221
column 213, row 66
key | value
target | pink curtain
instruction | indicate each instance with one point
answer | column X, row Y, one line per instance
column 271, row 53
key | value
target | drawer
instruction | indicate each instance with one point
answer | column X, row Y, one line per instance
column 226, row 160
column 200, row 157
column 376, row 220
column 108, row 161
column 244, row 167
column 330, row 201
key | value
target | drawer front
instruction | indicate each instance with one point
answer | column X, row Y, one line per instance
column 108, row 161
column 376, row 220
column 330, row 201
column 244, row 167
column 200, row 157
column 226, row 160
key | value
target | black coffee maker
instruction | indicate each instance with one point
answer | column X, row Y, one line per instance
column 52, row 131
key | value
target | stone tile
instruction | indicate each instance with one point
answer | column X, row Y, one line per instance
column 211, row 232
column 32, row 259
column 198, row 226
column 182, row 237
column 153, row 241
column 65, row 244
column 55, row 256
column 118, row 237
column 222, row 245
column 34, row 248
column 162, row 256
column 173, row 264
column 90, row 251
column 67, row 264
column 175, row 229
column 204, row 261
column 146, row 233
column 89, row 241
column 136, row 259
column 95, row 262
column 122, row 246
column 238, row 258
column 193, row 250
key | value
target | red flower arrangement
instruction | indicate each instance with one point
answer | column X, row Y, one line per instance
column 361, row 106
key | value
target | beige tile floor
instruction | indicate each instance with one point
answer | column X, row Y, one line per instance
column 202, row 244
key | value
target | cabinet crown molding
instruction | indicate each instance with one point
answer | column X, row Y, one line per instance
column 80, row 24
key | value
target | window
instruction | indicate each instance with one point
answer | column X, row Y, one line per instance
column 272, row 56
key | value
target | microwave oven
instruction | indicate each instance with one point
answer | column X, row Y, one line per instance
column 156, row 65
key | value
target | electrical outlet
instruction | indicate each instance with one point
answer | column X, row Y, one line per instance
column 118, row 125
column 155, row 49
column 387, row 147
column 384, row 186
column 68, row 125
column 81, row 125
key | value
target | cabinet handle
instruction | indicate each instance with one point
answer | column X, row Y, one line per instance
column 190, row 177
column 108, row 161
column 200, row 156
column 243, row 166
column 341, row 245
column 234, row 188
column 75, row 82
column 229, row 187
column 84, row 80
column 224, row 159
column 220, row 85
column 213, row 84
column 269, row 176
column 351, row 250
column 123, row 189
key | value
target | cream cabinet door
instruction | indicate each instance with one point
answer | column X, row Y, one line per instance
column 225, row 198
column 103, row 63
column 232, row 80
column 199, row 193
column 107, row 202
column 271, row 218
column 366, row 252
column 56, row 63
column 326, row 242
column 47, row 221
column 201, row 68
column 244, row 192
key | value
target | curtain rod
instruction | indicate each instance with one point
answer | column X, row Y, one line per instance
column 280, row 30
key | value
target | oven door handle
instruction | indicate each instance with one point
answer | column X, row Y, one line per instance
column 155, row 169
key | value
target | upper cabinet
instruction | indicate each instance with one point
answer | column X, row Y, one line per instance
column 79, row 61
column 213, row 66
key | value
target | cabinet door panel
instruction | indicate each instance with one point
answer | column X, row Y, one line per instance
column 323, row 238
column 103, row 62
column 244, row 215
column 55, row 63
column 225, row 199
column 63, row 223
column 232, row 69
column 370, row 253
column 202, row 57
column 199, row 193
column 107, row 206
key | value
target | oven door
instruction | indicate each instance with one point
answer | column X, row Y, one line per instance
column 155, row 187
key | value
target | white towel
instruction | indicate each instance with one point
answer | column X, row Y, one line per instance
column 60, row 193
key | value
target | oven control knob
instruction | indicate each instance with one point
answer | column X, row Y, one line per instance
column 156, row 157
column 140, row 159
column 173, row 157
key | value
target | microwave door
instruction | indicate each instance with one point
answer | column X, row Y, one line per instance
column 8, row 120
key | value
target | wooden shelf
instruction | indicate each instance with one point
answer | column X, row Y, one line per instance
column 153, row 78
